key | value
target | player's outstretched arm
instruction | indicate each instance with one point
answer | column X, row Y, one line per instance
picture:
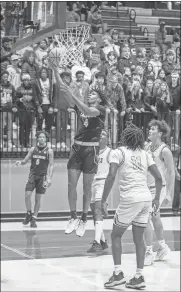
column 25, row 160
column 50, row 167
column 93, row 112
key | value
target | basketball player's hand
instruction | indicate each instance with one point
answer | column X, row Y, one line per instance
column 50, row 110
column 104, row 209
column 48, row 182
column 155, row 205
column 18, row 163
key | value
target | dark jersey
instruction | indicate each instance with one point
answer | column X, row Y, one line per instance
column 39, row 161
column 91, row 128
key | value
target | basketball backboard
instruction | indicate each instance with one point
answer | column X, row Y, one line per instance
column 45, row 19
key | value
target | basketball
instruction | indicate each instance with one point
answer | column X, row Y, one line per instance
column 55, row 56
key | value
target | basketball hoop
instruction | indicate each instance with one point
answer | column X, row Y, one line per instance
column 70, row 42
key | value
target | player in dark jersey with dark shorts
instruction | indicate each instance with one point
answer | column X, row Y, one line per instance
column 84, row 153
column 41, row 171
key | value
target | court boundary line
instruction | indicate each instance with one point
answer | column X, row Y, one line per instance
column 71, row 275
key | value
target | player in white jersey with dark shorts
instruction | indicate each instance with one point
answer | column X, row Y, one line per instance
column 132, row 163
column 100, row 243
column 163, row 158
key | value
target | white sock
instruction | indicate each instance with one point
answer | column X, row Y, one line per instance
column 98, row 230
column 149, row 248
column 103, row 236
column 161, row 243
column 117, row 269
column 139, row 272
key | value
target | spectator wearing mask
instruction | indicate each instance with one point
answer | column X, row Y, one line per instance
column 157, row 65
column 148, row 73
column 126, row 60
column 108, row 46
column 46, row 97
column 162, row 102
column 6, row 52
column 80, row 87
column 29, row 66
column 7, row 106
column 41, row 52
column 27, row 103
column 176, row 104
column 14, row 71
column 96, row 22
column 169, row 64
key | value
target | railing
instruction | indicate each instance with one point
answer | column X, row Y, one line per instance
column 132, row 17
column 18, row 130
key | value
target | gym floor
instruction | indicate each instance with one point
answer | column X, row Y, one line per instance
column 45, row 259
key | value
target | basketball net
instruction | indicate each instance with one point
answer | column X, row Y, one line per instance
column 71, row 41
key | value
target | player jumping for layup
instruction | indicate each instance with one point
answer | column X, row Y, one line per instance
column 84, row 153
column 41, row 171
column 132, row 163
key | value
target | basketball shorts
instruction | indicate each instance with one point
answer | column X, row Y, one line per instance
column 132, row 213
column 84, row 158
column 163, row 194
column 97, row 190
column 37, row 183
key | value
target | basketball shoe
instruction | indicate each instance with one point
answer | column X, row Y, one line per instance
column 81, row 228
column 72, row 225
column 27, row 218
column 162, row 252
column 136, row 283
column 104, row 244
column 96, row 247
column 33, row 222
column 115, row 280
column 149, row 258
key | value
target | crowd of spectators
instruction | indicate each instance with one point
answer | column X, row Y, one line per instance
column 131, row 82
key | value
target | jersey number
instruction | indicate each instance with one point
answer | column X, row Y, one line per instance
column 37, row 161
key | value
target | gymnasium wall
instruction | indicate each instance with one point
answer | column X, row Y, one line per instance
column 13, row 180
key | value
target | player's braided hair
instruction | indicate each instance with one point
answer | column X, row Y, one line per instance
column 38, row 133
column 133, row 138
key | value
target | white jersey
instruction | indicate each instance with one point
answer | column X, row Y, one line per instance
column 159, row 161
column 132, row 174
column 103, row 164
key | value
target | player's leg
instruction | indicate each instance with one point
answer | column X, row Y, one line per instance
column 74, row 170
column 163, row 250
column 87, row 193
column 139, row 223
column 40, row 190
column 148, row 236
column 99, row 242
column 89, row 156
column 122, row 219
column 30, row 186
